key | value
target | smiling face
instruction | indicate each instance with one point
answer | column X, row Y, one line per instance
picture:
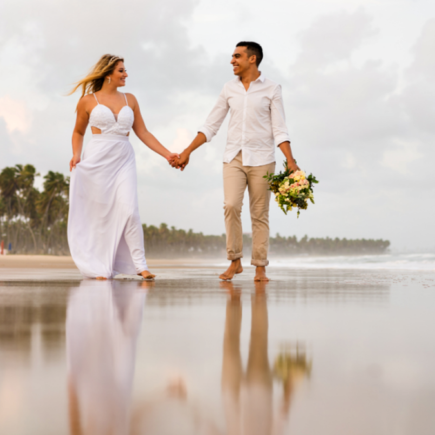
column 241, row 62
column 119, row 75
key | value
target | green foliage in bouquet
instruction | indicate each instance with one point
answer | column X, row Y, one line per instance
column 292, row 189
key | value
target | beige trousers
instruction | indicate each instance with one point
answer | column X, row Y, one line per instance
column 236, row 178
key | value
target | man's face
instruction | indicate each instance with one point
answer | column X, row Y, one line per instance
column 240, row 61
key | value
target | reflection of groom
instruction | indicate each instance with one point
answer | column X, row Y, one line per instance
column 256, row 125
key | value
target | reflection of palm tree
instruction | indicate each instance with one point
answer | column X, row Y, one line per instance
column 102, row 326
column 291, row 366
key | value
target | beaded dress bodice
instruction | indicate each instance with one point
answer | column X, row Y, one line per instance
column 109, row 123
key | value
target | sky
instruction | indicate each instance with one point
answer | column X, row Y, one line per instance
column 358, row 88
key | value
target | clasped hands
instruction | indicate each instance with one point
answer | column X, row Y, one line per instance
column 179, row 161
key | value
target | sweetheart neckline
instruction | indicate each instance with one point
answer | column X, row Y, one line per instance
column 111, row 111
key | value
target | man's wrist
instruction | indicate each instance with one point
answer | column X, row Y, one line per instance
column 291, row 163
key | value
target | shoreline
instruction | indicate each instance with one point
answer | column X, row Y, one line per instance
column 410, row 262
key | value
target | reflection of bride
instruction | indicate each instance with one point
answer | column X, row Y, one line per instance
column 102, row 327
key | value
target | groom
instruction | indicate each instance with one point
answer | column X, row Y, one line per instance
column 257, row 125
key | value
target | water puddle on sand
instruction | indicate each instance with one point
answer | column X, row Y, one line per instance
column 331, row 352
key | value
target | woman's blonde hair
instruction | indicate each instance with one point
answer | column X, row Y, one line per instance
column 93, row 82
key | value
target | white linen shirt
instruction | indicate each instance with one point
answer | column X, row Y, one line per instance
column 257, row 120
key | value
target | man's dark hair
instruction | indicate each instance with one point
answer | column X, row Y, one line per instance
column 252, row 48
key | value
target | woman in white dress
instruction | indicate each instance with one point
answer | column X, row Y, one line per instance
column 105, row 234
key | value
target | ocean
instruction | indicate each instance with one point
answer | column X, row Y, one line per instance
column 393, row 261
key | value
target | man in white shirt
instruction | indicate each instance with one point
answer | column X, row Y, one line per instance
column 256, row 126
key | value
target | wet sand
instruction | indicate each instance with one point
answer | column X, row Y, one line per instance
column 52, row 267
column 66, row 262
column 331, row 352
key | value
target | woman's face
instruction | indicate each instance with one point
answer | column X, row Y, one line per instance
column 119, row 75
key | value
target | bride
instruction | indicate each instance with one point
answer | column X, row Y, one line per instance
column 105, row 234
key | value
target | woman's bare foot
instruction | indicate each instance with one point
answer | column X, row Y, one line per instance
column 146, row 275
column 101, row 278
column 235, row 267
column 260, row 274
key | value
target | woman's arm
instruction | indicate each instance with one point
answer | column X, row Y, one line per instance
column 79, row 133
column 146, row 136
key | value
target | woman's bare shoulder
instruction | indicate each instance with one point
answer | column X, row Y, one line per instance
column 132, row 101
column 86, row 103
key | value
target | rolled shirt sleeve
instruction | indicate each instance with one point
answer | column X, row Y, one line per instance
column 279, row 127
column 216, row 117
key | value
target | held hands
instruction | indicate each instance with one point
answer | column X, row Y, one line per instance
column 181, row 161
column 172, row 157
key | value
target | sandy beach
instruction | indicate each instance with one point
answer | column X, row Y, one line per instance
column 66, row 262
column 351, row 347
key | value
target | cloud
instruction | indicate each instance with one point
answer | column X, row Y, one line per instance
column 361, row 124
column 15, row 113
column 401, row 156
column 333, row 37
column 363, row 135
column 424, row 61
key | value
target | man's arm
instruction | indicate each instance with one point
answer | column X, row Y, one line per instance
column 280, row 132
column 183, row 161
column 287, row 151
column 208, row 131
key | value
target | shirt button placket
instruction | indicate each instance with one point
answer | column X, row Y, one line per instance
column 244, row 118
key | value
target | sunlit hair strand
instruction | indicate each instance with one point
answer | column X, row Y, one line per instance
column 94, row 81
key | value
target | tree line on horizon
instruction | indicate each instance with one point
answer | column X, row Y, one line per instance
column 35, row 222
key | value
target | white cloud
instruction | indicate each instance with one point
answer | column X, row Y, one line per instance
column 183, row 138
column 16, row 114
column 356, row 119
column 401, row 157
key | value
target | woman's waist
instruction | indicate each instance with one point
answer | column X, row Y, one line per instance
column 104, row 144
column 111, row 137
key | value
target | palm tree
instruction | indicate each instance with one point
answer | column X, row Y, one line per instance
column 18, row 196
column 53, row 204
column 26, row 196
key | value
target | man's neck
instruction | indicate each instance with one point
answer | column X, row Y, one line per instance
column 249, row 77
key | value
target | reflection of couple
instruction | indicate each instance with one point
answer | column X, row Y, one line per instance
column 102, row 328
column 104, row 228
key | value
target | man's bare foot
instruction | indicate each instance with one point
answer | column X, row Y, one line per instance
column 260, row 274
column 260, row 287
column 235, row 267
column 146, row 275
column 101, row 278
column 234, row 291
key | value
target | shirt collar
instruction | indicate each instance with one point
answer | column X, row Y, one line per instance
column 261, row 79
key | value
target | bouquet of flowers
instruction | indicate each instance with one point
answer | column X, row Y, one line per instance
column 292, row 189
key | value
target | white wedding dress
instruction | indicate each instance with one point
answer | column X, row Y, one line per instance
column 105, row 234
